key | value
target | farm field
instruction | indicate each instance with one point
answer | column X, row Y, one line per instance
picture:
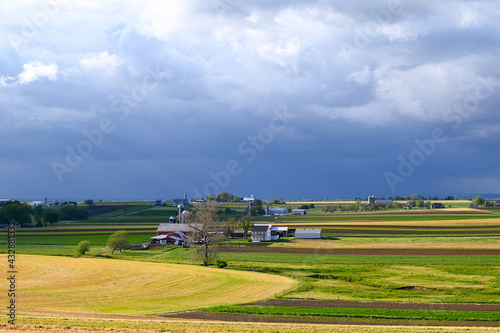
column 87, row 285
column 433, row 259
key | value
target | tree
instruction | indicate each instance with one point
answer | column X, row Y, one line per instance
column 257, row 210
column 118, row 241
column 205, row 233
column 246, row 224
column 237, row 198
column 83, row 246
column 38, row 214
column 478, row 201
column 420, row 203
column 14, row 211
column 89, row 202
column 231, row 224
column 211, row 197
column 415, row 196
column 51, row 217
column 224, row 196
column 73, row 213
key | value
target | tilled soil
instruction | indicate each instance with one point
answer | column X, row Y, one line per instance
column 392, row 252
column 379, row 305
column 236, row 317
column 411, row 230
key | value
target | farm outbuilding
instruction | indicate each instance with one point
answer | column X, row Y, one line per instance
column 281, row 231
column 299, row 211
column 276, row 211
column 436, row 205
column 238, row 234
column 308, row 233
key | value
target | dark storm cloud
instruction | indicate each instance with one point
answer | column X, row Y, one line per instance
column 164, row 94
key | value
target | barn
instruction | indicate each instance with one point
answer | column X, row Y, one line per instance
column 176, row 238
column 166, row 228
column 307, row 233
column 281, row 231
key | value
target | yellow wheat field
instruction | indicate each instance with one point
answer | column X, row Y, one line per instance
column 90, row 285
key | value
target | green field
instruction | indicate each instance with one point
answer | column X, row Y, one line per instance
column 362, row 313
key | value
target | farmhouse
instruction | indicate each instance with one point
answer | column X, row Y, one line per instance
column 261, row 233
column 307, row 233
column 299, row 211
column 158, row 203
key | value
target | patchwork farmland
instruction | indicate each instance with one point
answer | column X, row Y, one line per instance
column 414, row 268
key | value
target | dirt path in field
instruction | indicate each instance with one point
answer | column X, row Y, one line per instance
column 103, row 252
column 391, row 252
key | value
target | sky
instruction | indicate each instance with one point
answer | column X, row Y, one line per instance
column 142, row 100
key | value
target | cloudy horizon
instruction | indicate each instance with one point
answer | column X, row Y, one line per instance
column 136, row 100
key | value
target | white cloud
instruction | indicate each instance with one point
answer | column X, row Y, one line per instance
column 161, row 19
column 32, row 71
column 103, row 60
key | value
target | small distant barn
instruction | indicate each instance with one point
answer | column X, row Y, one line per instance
column 437, row 205
column 238, row 234
column 276, row 211
column 307, row 233
column 299, row 211
column 261, row 233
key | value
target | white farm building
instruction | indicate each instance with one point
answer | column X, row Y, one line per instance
column 307, row 233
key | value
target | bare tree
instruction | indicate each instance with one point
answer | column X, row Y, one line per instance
column 229, row 227
column 205, row 232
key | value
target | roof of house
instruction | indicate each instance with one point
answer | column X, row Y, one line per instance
column 307, row 231
column 261, row 227
column 280, row 228
column 299, row 210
